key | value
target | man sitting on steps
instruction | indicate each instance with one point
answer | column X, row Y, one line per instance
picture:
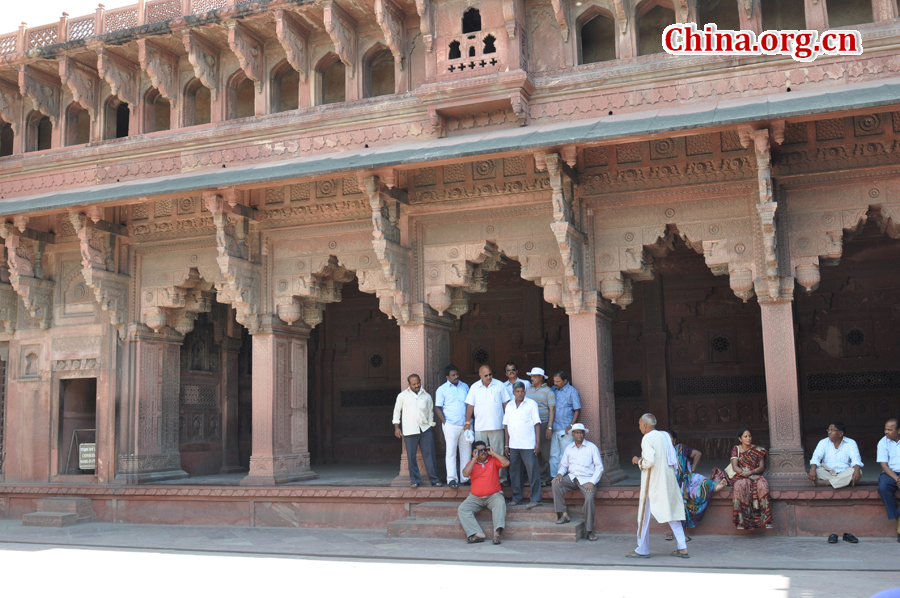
column 484, row 472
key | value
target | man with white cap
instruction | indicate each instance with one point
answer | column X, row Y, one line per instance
column 660, row 494
column 579, row 469
column 541, row 394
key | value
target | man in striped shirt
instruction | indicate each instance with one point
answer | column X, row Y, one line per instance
column 836, row 459
column 541, row 394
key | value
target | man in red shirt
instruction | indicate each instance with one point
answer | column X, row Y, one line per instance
column 484, row 471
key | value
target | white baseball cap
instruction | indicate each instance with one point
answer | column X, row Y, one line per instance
column 536, row 372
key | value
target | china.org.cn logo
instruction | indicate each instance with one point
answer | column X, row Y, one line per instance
column 804, row 45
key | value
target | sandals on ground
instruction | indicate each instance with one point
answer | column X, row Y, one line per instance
column 681, row 555
column 473, row 539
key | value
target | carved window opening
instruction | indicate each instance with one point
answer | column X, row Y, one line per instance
column 40, row 132
column 454, row 51
column 724, row 13
column 197, row 104
column 376, row 360
column 241, row 99
column 471, row 21
column 856, row 337
column 6, row 140
column 77, row 411
column 117, row 115
column 380, row 73
column 598, row 40
column 78, row 124
column 480, row 356
column 783, row 14
column 842, row 13
column 285, row 88
column 720, row 344
column 159, row 112
column 628, row 389
column 490, row 46
column 651, row 24
column 331, row 79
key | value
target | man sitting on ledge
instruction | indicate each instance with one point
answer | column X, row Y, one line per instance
column 836, row 459
column 484, row 471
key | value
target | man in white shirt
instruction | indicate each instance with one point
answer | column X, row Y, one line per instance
column 415, row 408
column 512, row 376
column 523, row 445
column 836, row 459
column 579, row 469
column 888, row 456
column 450, row 410
column 485, row 402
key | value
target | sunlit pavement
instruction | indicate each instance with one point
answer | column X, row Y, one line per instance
column 160, row 560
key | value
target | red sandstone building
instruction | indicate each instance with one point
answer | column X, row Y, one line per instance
column 232, row 230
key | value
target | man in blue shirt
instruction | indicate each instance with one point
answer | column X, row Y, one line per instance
column 450, row 410
column 568, row 408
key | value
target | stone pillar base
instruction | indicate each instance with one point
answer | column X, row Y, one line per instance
column 284, row 469
column 149, row 468
column 402, row 478
column 787, row 468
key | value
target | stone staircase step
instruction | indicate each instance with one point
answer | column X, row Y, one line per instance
column 81, row 507
column 447, row 510
column 411, row 527
column 49, row 519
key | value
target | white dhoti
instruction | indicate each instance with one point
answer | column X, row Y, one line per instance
column 643, row 534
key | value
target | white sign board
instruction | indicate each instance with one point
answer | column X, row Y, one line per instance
column 87, row 456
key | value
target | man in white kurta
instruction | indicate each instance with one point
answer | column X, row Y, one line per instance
column 660, row 494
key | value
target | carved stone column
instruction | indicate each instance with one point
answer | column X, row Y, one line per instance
column 786, row 464
column 424, row 350
column 230, row 425
column 590, row 342
column 280, row 451
column 150, row 445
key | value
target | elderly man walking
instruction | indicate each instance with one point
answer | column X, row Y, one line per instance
column 485, row 402
column 660, row 495
column 579, row 469
column 836, row 459
column 450, row 409
column 484, row 469
column 415, row 408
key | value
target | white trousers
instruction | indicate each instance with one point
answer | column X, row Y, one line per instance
column 559, row 442
column 456, row 443
column 643, row 534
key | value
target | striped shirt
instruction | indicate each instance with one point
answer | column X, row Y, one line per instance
column 544, row 398
column 837, row 459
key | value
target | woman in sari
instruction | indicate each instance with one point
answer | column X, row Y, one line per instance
column 696, row 490
column 751, row 489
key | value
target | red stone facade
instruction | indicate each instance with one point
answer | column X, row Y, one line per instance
column 698, row 272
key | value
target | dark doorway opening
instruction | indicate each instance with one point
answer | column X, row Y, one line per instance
column 77, row 422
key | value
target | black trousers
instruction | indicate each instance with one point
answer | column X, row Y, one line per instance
column 520, row 459
column 425, row 441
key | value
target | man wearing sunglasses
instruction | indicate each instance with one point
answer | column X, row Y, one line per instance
column 485, row 402
column 484, row 471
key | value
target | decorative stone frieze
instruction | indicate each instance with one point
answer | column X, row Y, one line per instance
column 294, row 39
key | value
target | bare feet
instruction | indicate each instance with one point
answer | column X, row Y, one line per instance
column 720, row 485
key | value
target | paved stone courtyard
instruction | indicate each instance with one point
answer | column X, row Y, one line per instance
column 764, row 566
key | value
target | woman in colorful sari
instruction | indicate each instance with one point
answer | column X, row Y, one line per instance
column 696, row 490
column 751, row 489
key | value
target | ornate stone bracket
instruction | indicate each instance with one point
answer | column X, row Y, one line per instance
column 9, row 299
column 342, row 29
column 204, row 57
column 560, row 11
column 98, row 266
column 392, row 21
column 308, row 294
column 10, row 107
column 511, row 17
column 571, row 241
column 243, row 276
column 162, row 68
column 179, row 304
column 394, row 258
column 81, row 83
column 26, row 272
column 249, row 50
column 621, row 16
column 426, row 23
column 454, row 272
column 294, row 39
column 121, row 74
column 44, row 92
